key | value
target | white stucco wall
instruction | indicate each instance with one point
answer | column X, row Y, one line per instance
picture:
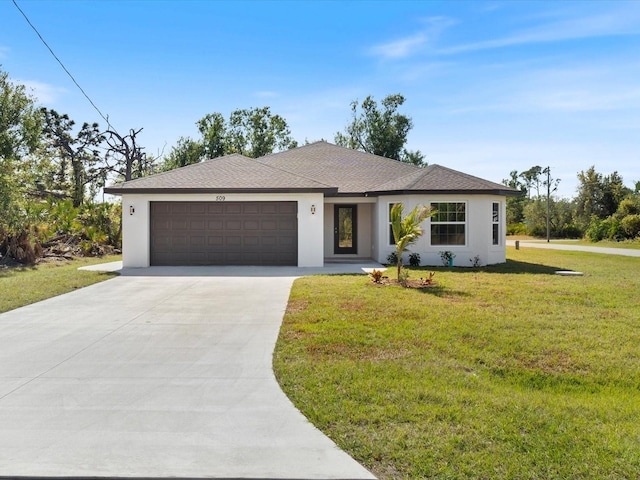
column 478, row 230
column 136, row 225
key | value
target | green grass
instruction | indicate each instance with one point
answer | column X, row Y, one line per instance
column 23, row 286
column 508, row 372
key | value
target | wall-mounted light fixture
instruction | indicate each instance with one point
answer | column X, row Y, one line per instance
column 313, row 209
column 132, row 210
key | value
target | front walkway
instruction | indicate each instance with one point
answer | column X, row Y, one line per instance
column 161, row 372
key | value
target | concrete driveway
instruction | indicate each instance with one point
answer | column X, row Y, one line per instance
column 157, row 373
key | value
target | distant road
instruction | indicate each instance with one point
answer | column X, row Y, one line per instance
column 627, row 252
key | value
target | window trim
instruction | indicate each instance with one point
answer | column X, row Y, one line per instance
column 465, row 223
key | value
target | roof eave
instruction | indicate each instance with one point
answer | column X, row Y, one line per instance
column 444, row 192
column 156, row 191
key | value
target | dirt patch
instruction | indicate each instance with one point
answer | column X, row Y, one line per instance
column 418, row 283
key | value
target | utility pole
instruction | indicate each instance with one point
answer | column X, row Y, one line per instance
column 548, row 182
column 548, row 170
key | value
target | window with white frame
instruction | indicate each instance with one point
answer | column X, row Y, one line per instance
column 448, row 225
column 392, row 240
column 495, row 223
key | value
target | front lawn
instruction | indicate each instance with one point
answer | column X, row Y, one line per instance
column 25, row 285
column 508, row 372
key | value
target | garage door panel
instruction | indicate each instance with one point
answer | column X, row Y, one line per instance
column 197, row 225
column 251, row 208
column 197, row 208
column 215, row 241
column 224, row 233
column 232, row 224
column 269, row 225
column 253, row 224
column 288, row 208
column 177, row 224
column 215, row 208
column 232, row 208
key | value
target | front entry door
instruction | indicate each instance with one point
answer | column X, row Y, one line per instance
column 345, row 233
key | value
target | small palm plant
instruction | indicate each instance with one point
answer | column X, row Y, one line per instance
column 407, row 230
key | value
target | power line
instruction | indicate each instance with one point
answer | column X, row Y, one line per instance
column 106, row 118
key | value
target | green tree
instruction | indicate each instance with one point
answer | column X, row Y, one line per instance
column 380, row 131
column 532, row 179
column 213, row 129
column 599, row 195
column 77, row 155
column 251, row 132
column 20, row 130
column 515, row 205
column 186, row 152
column 407, row 230
column 257, row 132
column 613, row 192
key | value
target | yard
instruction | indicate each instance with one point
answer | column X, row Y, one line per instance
column 505, row 372
column 21, row 286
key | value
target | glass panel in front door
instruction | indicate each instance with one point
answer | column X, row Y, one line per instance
column 345, row 234
column 345, row 227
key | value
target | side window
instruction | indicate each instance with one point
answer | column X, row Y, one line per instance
column 495, row 223
column 391, row 239
column 449, row 224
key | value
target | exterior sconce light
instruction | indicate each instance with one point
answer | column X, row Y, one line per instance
column 132, row 210
column 313, row 209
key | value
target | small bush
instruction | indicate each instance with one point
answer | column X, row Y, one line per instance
column 516, row 229
column 414, row 259
column 631, row 226
column 446, row 256
column 392, row 258
column 607, row 229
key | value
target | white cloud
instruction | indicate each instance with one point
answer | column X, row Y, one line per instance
column 43, row 92
column 620, row 23
column 400, row 48
column 411, row 44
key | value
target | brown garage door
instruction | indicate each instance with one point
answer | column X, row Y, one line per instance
column 224, row 233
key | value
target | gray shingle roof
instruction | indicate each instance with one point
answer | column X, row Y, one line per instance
column 436, row 178
column 350, row 170
column 317, row 167
column 229, row 173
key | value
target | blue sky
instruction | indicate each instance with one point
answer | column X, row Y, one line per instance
column 491, row 86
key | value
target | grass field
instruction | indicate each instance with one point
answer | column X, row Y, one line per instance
column 23, row 286
column 507, row 372
column 633, row 244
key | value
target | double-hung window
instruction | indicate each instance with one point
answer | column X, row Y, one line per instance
column 448, row 225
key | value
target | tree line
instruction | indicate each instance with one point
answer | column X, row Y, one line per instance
column 603, row 209
column 52, row 169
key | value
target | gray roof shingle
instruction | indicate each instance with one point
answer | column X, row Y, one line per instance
column 229, row 173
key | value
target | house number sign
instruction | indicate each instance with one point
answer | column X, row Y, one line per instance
column 220, row 198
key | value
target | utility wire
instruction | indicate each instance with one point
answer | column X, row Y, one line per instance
column 106, row 118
